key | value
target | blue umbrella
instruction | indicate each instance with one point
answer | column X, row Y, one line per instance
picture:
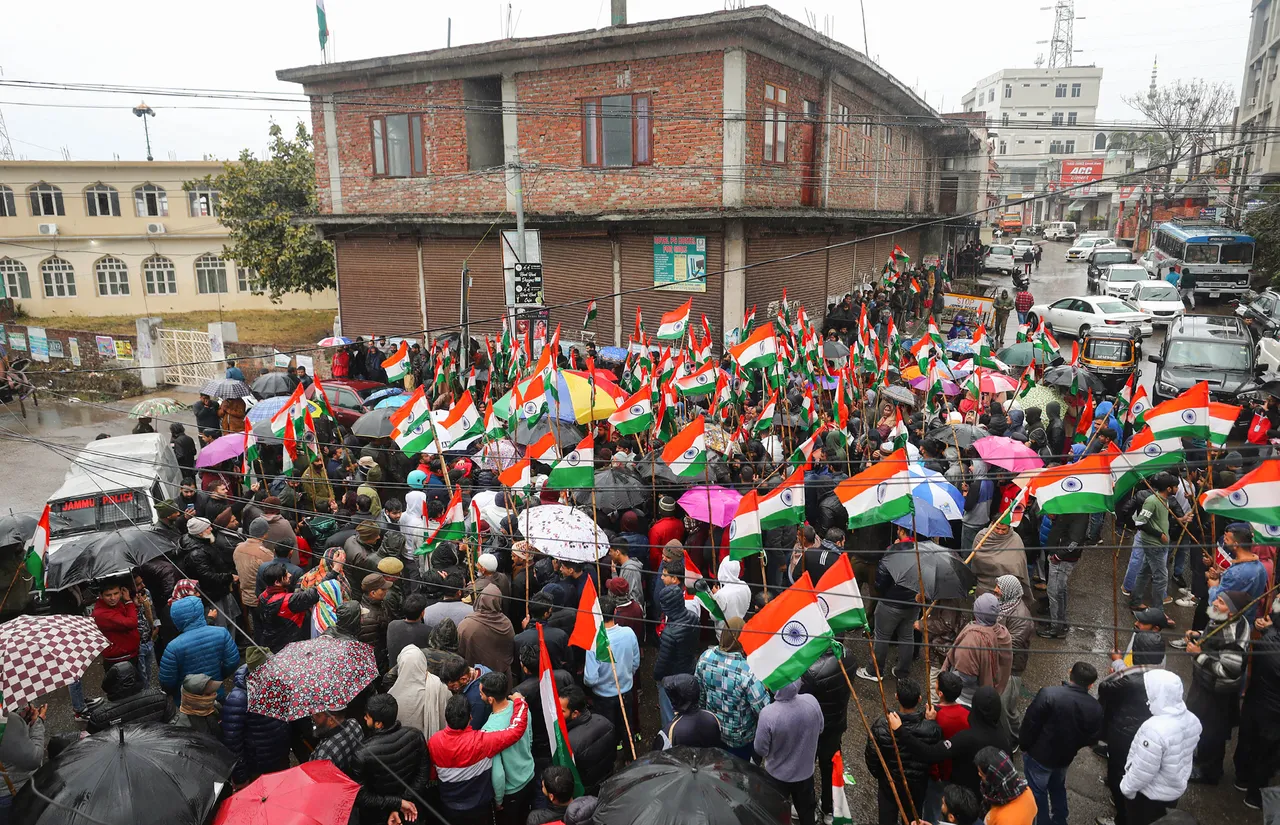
column 395, row 402
column 613, row 354
column 933, row 489
column 927, row 521
column 267, row 407
column 381, row 394
column 960, row 345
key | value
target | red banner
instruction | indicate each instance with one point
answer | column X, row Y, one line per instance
column 1076, row 172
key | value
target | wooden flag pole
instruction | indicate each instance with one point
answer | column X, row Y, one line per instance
column 622, row 704
column 884, row 766
column 897, row 752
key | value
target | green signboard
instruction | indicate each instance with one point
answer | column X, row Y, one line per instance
column 680, row 262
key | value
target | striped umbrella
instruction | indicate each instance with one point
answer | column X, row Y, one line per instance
column 155, row 408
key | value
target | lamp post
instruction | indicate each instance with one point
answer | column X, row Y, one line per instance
column 144, row 111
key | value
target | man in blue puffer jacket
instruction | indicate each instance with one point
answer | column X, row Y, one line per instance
column 260, row 743
column 199, row 648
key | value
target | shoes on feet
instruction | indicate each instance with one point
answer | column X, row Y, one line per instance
column 1186, row 601
column 1168, row 600
column 1253, row 799
column 863, row 673
column 1180, row 644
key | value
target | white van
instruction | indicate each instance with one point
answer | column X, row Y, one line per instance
column 1060, row 230
column 113, row 483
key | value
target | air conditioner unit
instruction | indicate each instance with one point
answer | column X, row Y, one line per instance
column 48, row 229
column 155, row 229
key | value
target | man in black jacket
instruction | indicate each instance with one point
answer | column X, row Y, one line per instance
column 1123, row 696
column 128, row 700
column 1258, row 748
column 913, row 722
column 391, row 756
column 284, row 612
column 184, row 449
column 826, row 683
column 541, row 606
column 1060, row 721
column 591, row 738
column 1057, row 430
column 678, row 647
column 1063, row 544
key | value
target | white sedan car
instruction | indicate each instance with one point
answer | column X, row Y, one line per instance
column 1157, row 299
column 1075, row 316
column 1083, row 246
column 1021, row 245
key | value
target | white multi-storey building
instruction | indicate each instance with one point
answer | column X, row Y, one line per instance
column 1260, row 95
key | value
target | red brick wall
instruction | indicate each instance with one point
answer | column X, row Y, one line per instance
column 876, row 175
column 771, row 184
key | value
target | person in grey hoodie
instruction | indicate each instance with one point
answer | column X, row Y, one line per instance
column 787, row 744
column 21, row 752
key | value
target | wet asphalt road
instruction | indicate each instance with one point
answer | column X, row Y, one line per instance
column 32, row 472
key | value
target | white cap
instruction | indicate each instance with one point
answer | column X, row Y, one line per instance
column 488, row 561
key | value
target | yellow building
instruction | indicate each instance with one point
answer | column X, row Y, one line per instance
column 121, row 238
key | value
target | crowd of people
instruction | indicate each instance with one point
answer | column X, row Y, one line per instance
column 454, row 725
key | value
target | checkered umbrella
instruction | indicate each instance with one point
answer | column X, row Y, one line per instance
column 310, row 676
column 39, row 654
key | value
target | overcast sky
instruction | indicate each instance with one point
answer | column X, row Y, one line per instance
column 941, row 48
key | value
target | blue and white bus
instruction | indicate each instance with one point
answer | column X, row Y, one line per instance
column 1220, row 259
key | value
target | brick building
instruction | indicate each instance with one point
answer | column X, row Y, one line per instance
column 742, row 130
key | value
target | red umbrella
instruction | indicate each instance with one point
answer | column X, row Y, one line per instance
column 314, row 793
column 311, row 676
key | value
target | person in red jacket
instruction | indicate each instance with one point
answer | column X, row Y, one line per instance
column 117, row 618
column 462, row 758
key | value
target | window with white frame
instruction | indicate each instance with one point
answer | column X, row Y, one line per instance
column 1004, row 119
column 59, row 278
column 8, row 209
column 1071, row 118
column 211, row 275
column 113, row 277
column 16, row 283
column 1008, row 90
column 1060, row 90
column 151, row 201
column 203, row 202
column 46, row 201
column 159, row 275
column 1056, row 120
column 775, row 124
column 1069, row 146
column 247, row 279
column 102, row 201
column 1004, row 147
column 1075, row 89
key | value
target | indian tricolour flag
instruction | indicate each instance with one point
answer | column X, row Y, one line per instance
column 411, row 424
column 880, row 493
column 701, row 381
column 759, row 351
column 899, row 434
column 675, row 323
column 634, row 415
column 453, row 524
column 39, row 549
column 1082, row 487
column 840, row 814
column 285, row 417
column 1186, row 416
column 786, row 636
column 576, row 469
column 839, row 598
column 462, row 422
column 591, row 314
column 588, row 628
column 397, row 366
column 1222, row 417
column 250, row 451
column 1145, row 457
column 545, row 449
column 557, row 731
column 1136, row 414
column 784, row 504
column 765, row 421
column 517, row 477
column 323, row 23
column 744, row 530
column 686, row 453
column 1255, row 498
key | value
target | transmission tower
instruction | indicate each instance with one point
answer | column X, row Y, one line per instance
column 1060, row 47
column 6, row 148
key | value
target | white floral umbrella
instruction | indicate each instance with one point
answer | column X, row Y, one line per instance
column 563, row 533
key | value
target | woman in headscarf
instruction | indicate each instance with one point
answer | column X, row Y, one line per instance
column 1015, row 616
column 444, row 643
column 1000, row 552
column 1017, row 423
column 485, row 637
column 444, row 578
column 413, row 521
column 982, row 654
column 325, row 614
column 1005, row 792
column 330, row 567
column 732, row 594
column 420, row 695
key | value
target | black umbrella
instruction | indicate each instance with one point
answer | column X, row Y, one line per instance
column 653, row 470
column 374, row 424
column 945, row 576
column 1066, row 375
column 616, row 490
column 225, row 388
column 568, row 435
column 16, row 528
column 691, row 786
column 962, row 434
column 899, row 394
column 1021, row 355
column 273, row 383
column 99, row 555
column 834, row 350
column 150, row 774
column 1271, row 388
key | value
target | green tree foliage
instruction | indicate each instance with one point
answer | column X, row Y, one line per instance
column 259, row 200
column 1263, row 223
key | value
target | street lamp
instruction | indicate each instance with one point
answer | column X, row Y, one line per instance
column 144, row 111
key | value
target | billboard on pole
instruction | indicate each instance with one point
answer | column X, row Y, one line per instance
column 1076, row 172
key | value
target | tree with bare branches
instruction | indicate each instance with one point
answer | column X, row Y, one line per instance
column 1188, row 118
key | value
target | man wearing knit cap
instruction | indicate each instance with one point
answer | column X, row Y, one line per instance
column 1216, row 674
column 669, row 527
column 629, row 613
column 359, row 549
column 207, row 557
column 370, row 475
column 374, row 617
column 250, row 555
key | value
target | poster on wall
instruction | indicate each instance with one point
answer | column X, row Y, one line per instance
column 74, row 346
column 55, row 348
column 680, row 263
column 124, row 350
column 106, row 346
column 18, row 341
column 281, row 359
column 39, row 344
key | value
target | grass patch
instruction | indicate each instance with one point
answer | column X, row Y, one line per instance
column 281, row 327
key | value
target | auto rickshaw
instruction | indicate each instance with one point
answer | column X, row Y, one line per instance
column 1112, row 354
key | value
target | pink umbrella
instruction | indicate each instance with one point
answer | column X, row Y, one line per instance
column 948, row 387
column 220, row 449
column 724, row 503
column 1008, row 453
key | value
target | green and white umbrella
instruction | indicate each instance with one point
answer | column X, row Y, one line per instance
column 155, row 408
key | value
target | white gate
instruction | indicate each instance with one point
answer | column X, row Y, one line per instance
column 186, row 354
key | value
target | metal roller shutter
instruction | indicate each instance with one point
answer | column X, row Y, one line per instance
column 805, row 278
column 575, row 269
column 488, row 299
column 865, row 269
column 637, row 274
column 910, row 243
column 442, row 279
column 840, row 273
column 378, row 282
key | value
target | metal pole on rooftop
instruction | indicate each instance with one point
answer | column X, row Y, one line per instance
column 617, row 12
column 520, row 245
